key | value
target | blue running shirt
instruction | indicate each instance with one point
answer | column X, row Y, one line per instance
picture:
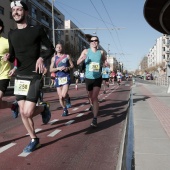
column 93, row 64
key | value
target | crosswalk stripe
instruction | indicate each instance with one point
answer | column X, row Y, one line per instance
column 53, row 121
column 4, row 148
column 23, row 154
column 80, row 114
column 54, row 133
column 69, row 122
column 75, row 109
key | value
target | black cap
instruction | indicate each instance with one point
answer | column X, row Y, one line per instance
column 19, row 3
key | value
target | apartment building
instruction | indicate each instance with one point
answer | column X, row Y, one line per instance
column 75, row 40
column 160, row 52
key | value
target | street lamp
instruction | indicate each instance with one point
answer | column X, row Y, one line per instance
column 108, row 50
column 53, row 22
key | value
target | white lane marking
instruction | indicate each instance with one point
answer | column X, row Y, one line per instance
column 54, row 133
column 2, row 149
column 36, row 130
column 23, row 154
column 69, row 122
column 53, row 121
column 75, row 108
column 79, row 115
column 82, row 105
column 87, row 109
column 87, row 102
column 127, row 85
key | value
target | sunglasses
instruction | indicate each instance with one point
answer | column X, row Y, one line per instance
column 93, row 40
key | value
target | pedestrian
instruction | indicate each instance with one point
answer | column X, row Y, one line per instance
column 76, row 77
column 119, row 77
column 94, row 58
column 5, row 68
column 105, row 76
column 61, row 64
column 82, row 76
column 25, row 44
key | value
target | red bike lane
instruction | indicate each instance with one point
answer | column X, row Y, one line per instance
column 69, row 142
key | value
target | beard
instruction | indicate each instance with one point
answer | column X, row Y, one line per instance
column 20, row 20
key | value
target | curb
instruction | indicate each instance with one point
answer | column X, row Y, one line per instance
column 126, row 151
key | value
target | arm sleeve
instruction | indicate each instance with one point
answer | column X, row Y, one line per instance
column 15, row 62
column 49, row 51
column 11, row 49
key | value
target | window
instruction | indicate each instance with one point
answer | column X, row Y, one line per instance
column 1, row 10
column 34, row 12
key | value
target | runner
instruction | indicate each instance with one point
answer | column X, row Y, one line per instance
column 61, row 64
column 25, row 44
column 5, row 66
column 93, row 61
column 119, row 77
column 76, row 77
column 105, row 76
column 82, row 76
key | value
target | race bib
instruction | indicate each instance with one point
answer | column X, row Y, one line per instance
column 21, row 87
column 104, row 72
column 94, row 67
column 62, row 80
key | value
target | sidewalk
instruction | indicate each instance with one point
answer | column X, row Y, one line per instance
column 151, row 113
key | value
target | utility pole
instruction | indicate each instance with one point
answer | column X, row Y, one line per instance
column 53, row 30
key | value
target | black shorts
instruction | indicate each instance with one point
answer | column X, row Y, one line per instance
column 106, row 79
column 34, row 89
column 4, row 84
column 90, row 83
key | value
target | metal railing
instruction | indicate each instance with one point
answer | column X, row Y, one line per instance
column 162, row 81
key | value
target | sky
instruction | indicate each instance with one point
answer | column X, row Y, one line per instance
column 119, row 24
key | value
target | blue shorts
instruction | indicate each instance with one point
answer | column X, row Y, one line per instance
column 61, row 81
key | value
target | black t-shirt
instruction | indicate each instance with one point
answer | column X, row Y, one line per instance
column 25, row 45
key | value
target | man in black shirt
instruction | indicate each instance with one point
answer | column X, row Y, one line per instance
column 24, row 45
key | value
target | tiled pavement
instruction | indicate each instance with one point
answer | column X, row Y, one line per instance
column 151, row 113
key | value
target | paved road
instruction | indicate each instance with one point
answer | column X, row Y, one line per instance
column 68, row 142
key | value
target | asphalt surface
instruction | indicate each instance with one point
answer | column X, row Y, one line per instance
column 68, row 143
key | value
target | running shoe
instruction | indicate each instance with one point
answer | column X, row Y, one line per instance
column 34, row 144
column 15, row 109
column 104, row 92
column 94, row 123
column 68, row 103
column 65, row 113
column 46, row 114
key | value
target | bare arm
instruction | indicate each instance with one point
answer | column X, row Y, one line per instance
column 82, row 57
